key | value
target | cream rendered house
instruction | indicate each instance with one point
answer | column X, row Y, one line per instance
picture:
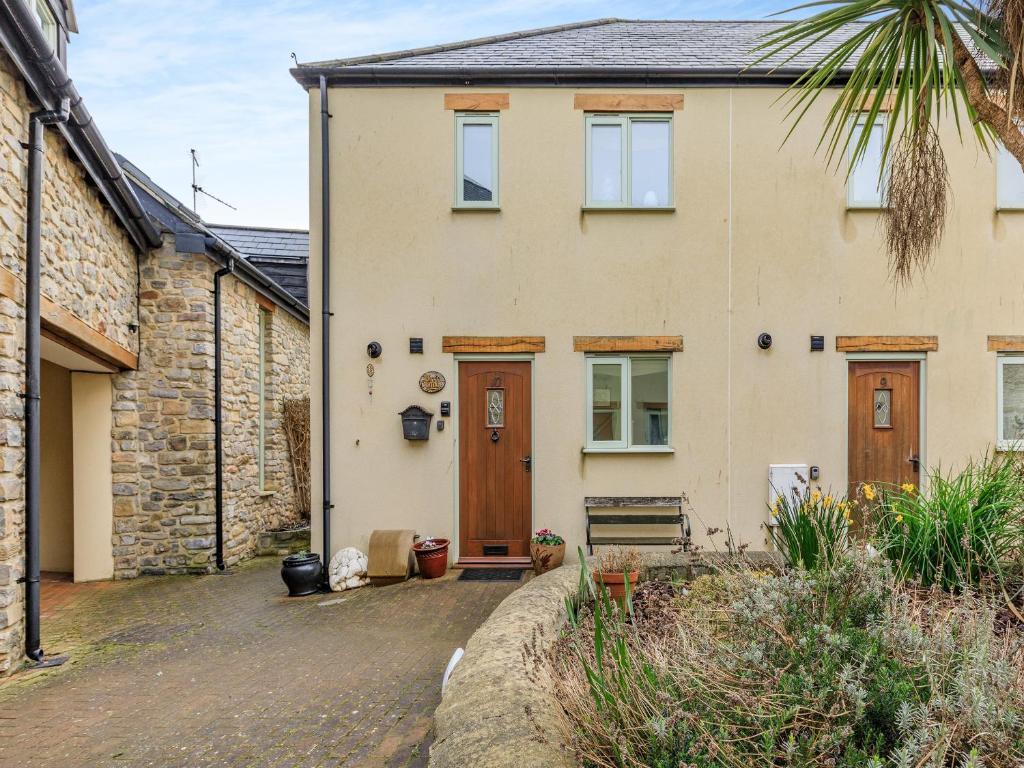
column 591, row 228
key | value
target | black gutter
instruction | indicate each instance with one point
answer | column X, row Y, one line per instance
column 585, row 77
column 36, row 135
column 218, row 424
column 47, row 78
column 325, row 327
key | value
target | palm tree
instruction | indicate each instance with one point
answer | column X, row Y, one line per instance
column 921, row 60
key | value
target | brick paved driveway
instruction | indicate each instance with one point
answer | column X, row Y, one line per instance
column 225, row 671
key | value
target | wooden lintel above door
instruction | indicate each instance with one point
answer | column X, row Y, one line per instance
column 462, row 344
column 887, row 343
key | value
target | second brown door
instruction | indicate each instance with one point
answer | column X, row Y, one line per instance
column 884, row 423
column 495, row 465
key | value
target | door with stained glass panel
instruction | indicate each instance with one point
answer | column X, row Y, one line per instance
column 495, row 462
column 884, row 423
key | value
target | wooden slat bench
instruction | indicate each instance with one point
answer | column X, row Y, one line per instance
column 661, row 510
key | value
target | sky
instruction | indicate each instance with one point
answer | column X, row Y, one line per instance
column 164, row 76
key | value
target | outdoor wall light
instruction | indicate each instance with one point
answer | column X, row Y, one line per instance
column 764, row 340
column 374, row 349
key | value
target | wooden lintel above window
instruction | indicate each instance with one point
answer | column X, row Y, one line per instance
column 627, row 343
column 462, row 344
column 887, row 343
column 1006, row 343
column 628, row 102
column 265, row 303
column 476, row 102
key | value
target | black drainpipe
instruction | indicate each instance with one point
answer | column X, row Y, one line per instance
column 325, row 332
column 36, row 133
column 218, row 437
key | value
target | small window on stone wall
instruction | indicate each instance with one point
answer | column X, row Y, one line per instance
column 264, row 373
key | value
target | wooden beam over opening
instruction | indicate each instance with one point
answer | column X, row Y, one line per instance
column 887, row 343
column 476, row 102
column 628, row 102
column 1006, row 343
column 627, row 343
column 462, row 344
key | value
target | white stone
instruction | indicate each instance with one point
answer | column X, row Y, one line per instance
column 347, row 569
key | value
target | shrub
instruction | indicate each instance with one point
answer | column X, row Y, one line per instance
column 811, row 528
column 965, row 529
column 842, row 666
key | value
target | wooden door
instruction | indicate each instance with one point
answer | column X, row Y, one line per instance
column 495, row 498
column 885, row 423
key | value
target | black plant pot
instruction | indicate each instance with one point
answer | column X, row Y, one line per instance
column 301, row 574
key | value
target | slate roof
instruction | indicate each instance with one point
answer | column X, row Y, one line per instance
column 283, row 254
column 617, row 50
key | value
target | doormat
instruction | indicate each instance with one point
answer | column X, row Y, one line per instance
column 491, row 574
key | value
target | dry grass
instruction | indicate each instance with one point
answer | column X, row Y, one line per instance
column 296, row 429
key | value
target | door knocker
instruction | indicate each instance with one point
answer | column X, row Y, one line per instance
column 495, row 437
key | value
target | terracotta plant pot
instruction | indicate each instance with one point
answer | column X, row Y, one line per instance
column 615, row 583
column 431, row 557
column 301, row 574
column 546, row 557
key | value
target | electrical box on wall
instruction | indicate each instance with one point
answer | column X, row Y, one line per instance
column 783, row 480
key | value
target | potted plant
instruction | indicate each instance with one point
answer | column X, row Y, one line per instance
column 614, row 567
column 547, row 550
column 301, row 573
column 431, row 557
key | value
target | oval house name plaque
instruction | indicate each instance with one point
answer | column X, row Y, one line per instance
column 432, row 382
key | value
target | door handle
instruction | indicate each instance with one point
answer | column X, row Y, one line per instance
column 527, row 463
column 915, row 460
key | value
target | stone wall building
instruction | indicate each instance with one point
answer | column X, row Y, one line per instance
column 127, row 407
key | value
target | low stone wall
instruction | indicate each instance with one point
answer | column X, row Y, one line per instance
column 282, row 542
column 497, row 713
column 491, row 713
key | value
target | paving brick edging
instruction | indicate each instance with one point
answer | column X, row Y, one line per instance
column 482, row 720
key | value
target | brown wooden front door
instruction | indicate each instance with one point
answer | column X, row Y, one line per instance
column 885, row 423
column 495, row 498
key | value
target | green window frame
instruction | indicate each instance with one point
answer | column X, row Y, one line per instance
column 264, row 342
column 627, row 122
column 464, row 120
column 602, row 406
column 865, row 172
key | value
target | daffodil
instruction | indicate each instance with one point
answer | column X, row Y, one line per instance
column 815, row 496
column 869, row 492
column 828, row 501
column 899, row 518
column 907, row 487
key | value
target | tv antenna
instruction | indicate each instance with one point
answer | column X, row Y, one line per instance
column 198, row 190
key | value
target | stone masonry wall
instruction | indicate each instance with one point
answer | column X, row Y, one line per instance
column 89, row 267
column 173, row 524
column 248, row 509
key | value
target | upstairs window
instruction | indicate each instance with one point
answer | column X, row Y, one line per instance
column 46, row 20
column 865, row 188
column 1009, row 181
column 476, row 160
column 628, row 403
column 629, row 161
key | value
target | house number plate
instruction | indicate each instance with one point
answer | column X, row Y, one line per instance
column 432, row 382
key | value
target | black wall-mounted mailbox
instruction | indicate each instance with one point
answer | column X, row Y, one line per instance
column 416, row 423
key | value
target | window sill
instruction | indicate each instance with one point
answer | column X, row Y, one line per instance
column 628, row 209
column 1010, row 209
column 475, row 209
column 266, row 493
column 640, row 449
column 866, row 207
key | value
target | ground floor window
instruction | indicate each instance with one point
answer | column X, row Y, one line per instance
column 628, row 402
column 1010, row 385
